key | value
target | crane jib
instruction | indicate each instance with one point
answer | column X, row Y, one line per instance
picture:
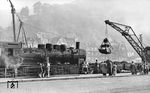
column 133, row 40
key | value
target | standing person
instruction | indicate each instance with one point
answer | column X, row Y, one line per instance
column 44, row 69
column 133, row 68
column 80, row 68
column 85, row 67
column 15, row 72
column 114, row 69
column 41, row 70
column 96, row 67
column 147, row 68
column 48, row 69
column 109, row 67
column 141, row 69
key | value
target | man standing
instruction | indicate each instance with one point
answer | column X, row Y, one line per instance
column 109, row 67
column 114, row 69
column 133, row 68
column 48, row 67
column 41, row 70
column 85, row 67
column 96, row 67
column 147, row 69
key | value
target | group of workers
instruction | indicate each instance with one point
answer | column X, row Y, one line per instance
column 141, row 68
column 109, row 67
column 44, row 70
column 104, row 67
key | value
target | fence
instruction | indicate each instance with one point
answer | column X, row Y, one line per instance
column 34, row 71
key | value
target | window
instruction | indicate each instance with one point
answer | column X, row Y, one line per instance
column 10, row 52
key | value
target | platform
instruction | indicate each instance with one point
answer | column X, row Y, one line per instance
column 61, row 77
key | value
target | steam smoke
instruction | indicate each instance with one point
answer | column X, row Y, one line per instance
column 11, row 62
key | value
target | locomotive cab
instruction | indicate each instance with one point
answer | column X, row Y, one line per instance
column 8, row 52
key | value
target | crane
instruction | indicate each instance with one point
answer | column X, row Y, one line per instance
column 13, row 19
column 24, row 37
column 132, row 38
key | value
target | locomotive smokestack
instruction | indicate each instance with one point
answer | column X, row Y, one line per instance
column 41, row 46
column 77, row 45
column 49, row 47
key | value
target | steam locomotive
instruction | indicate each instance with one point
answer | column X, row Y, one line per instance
column 58, row 54
column 63, row 60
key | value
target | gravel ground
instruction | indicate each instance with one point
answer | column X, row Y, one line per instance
column 130, row 84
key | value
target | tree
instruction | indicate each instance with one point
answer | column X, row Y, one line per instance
column 37, row 7
column 24, row 12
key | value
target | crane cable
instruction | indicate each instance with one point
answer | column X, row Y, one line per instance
column 107, row 35
column 106, row 31
column 105, row 47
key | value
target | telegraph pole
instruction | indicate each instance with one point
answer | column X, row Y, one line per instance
column 13, row 19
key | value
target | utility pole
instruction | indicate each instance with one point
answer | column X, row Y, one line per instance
column 47, row 62
column 13, row 19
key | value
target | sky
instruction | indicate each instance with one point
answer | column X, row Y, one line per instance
column 131, row 12
column 5, row 9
